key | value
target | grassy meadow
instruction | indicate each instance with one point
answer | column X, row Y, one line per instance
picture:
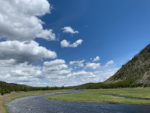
column 103, row 95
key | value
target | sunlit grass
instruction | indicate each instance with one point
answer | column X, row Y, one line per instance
column 100, row 95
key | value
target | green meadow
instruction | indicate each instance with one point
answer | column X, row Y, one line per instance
column 105, row 95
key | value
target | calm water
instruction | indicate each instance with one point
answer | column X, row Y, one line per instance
column 40, row 104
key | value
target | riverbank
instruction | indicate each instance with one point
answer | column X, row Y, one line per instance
column 41, row 104
column 123, row 96
column 9, row 97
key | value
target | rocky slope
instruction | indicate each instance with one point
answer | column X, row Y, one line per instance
column 136, row 70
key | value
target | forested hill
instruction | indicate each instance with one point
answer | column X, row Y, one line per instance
column 9, row 87
column 137, row 70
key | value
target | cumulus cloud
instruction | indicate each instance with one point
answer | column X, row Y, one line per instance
column 77, row 64
column 60, row 74
column 93, row 65
column 69, row 29
column 7, row 63
column 19, row 73
column 96, row 59
column 56, row 69
column 24, row 51
column 20, row 24
column 109, row 63
column 24, row 73
column 55, row 65
column 53, row 73
column 65, row 43
column 19, row 20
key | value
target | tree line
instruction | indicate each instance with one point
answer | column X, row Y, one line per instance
column 10, row 87
column 121, row 84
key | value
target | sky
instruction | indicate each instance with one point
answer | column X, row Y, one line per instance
column 69, row 42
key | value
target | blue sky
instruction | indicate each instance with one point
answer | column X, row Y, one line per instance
column 110, row 29
column 69, row 42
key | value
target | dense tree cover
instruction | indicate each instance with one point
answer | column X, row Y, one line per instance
column 121, row 84
column 10, row 87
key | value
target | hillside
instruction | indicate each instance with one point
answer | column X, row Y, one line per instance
column 137, row 70
column 135, row 73
column 10, row 87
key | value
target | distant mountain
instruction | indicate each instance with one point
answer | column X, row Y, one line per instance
column 137, row 70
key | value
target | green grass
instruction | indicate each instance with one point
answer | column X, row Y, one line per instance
column 100, row 95
column 37, row 93
column 5, row 108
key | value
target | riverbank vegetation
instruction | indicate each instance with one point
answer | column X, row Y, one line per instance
column 120, row 84
column 6, row 88
column 13, row 95
column 122, row 95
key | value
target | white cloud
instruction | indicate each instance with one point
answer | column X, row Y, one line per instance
column 24, row 51
column 78, row 42
column 19, row 73
column 54, row 62
column 109, row 63
column 56, row 69
column 69, row 29
column 20, row 24
column 65, row 43
column 96, row 59
column 19, row 19
column 105, row 73
column 93, row 65
column 55, row 65
column 77, row 64
column 6, row 63
column 52, row 73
